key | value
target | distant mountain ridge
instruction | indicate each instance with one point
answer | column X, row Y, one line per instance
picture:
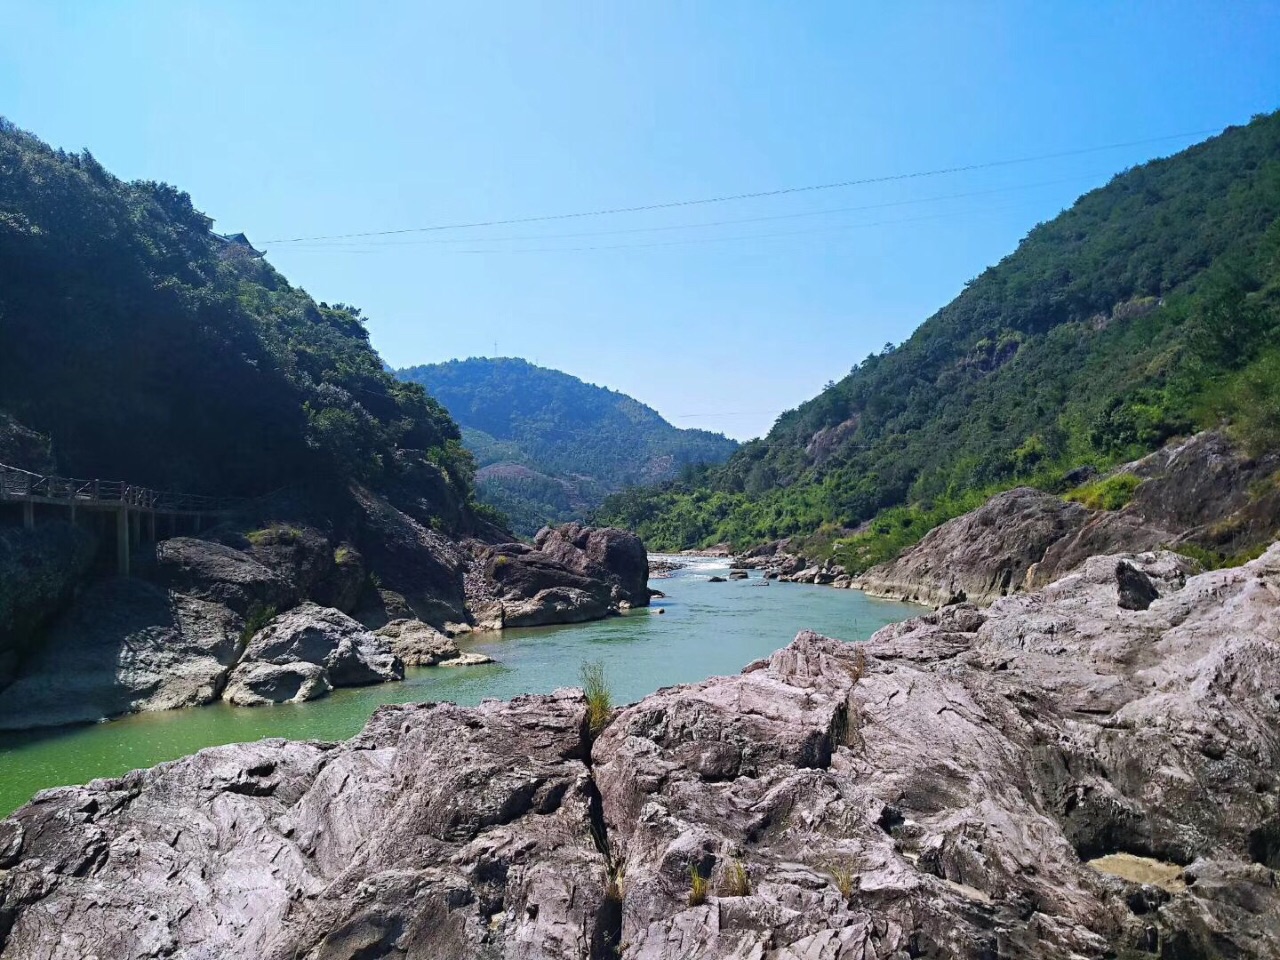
column 549, row 446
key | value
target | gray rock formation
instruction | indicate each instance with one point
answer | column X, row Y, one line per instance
column 1203, row 491
column 422, row 568
column 174, row 640
column 570, row 575
column 257, row 684
column 127, row 645
column 970, row 784
column 347, row 654
column 218, row 574
column 418, row 644
column 601, row 553
column 980, row 556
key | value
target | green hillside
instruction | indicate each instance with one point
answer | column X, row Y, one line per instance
column 551, row 447
column 147, row 348
column 1147, row 309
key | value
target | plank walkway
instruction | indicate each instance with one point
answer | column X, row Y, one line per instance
column 129, row 502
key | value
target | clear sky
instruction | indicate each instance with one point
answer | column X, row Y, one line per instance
column 289, row 120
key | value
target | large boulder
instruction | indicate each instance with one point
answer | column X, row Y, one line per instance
column 437, row 832
column 516, row 585
column 126, row 645
column 981, row 556
column 217, row 573
column 348, row 654
column 419, row 644
column 554, row 605
column 1055, row 777
column 303, row 556
column 258, row 684
column 601, row 553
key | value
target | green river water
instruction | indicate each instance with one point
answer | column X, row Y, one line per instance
column 706, row 629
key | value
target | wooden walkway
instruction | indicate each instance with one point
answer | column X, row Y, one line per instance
column 131, row 504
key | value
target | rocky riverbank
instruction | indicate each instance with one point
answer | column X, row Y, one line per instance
column 256, row 613
column 1058, row 776
column 1202, row 495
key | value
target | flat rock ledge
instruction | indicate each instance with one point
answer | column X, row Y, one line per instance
column 1053, row 778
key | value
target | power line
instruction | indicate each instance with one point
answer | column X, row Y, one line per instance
column 370, row 245
column 692, row 240
column 747, row 196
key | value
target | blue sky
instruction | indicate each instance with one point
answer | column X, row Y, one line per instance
column 298, row 120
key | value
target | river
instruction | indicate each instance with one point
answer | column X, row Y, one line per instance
column 705, row 629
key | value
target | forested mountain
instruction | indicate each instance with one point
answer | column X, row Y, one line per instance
column 148, row 348
column 1149, row 308
column 549, row 446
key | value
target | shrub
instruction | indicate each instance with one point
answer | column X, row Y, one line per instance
column 735, row 880
column 595, row 686
column 1109, row 493
column 699, row 886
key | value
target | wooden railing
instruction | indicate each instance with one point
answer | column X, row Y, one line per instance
column 18, row 484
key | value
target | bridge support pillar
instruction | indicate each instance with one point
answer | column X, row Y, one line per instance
column 122, row 541
column 135, row 528
column 28, row 514
column 73, row 513
column 151, row 527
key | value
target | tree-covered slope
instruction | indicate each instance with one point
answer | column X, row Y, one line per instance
column 1148, row 308
column 549, row 446
column 149, row 349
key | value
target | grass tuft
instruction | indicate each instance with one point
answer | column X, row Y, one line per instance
column 845, row 879
column 1109, row 493
column 595, row 685
column 735, row 880
column 699, row 886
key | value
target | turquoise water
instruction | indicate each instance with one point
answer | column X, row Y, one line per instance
column 705, row 629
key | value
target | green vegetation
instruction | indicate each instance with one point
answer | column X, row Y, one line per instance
column 551, row 447
column 699, row 886
column 259, row 616
column 1109, row 493
column 1147, row 310
column 150, row 349
column 595, row 686
column 1217, row 559
column 735, row 881
column 276, row 533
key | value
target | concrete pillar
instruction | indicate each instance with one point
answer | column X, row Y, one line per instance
column 151, row 526
column 135, row 528
column 73, row 513
column 28, row 514
column 195, row 523
column 122, row 541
